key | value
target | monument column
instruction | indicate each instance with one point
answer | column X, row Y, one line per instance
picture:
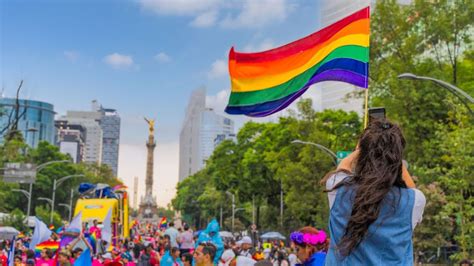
column 148, row 208
column 149, row 164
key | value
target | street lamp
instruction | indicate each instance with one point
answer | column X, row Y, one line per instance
column 462, row 95
column 27, row 195
column 68, row 208
column 321, row 147
column 39, row 168
column 50, row 201
column 233, row 208
column 56, row 183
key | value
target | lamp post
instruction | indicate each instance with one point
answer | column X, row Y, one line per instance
column 319, row 146
column 38, row 168
column 27, row 195
column 462, row 95
column 50, row 201
column 233, row 208
column 56, row 183
column 68, row 208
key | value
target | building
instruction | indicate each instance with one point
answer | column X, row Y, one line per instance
column 93, row 133
column 70, row 139
column 102, row 134
column 110, row 125
column 36, row 122
column 200, row 129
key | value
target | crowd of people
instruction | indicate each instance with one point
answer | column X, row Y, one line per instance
column 374, row 208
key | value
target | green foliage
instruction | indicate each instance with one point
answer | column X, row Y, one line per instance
column 17, row 151
column 262, row 162
column 16, row 219
column 437, row 126
column 44, row 214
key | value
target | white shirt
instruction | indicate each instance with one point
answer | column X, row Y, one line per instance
column 418, row 207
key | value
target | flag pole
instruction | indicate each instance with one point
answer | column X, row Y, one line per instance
column 366, row 116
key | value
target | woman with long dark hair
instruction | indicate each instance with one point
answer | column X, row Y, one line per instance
column 374, row 206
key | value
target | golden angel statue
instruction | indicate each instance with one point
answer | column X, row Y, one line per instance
column 151, row 124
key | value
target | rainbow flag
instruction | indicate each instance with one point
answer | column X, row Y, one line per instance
column 93, row 241
column 52, row 245
column 164, row 222
column 266, row 82
column 51, row 227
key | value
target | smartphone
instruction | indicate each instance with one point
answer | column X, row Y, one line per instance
column 376, row 113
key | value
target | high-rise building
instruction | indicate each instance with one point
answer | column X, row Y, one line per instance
column 36, row 123
column 110, row 124
column 93, row 136
column 102, row 134
column 200, row 129
column 70, row 139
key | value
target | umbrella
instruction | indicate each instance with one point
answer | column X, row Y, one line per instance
column 7, row 232
column 226, row 234
column 273, row 235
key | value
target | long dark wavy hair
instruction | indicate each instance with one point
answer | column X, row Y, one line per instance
column 378, row 168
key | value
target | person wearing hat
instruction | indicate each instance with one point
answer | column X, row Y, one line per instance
column 245, row 247
column 63, row 257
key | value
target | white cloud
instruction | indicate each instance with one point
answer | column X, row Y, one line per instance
column 132, row 162
column 162, row 57
column 179, row 7
column 258, row 14
column 119, row 61
column 219, row 101
column 218, row 69
column 266, row 44
column 206, row 19
column 206, row 13
column 71, row 55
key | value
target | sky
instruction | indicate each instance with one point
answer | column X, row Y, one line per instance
column 141, row 57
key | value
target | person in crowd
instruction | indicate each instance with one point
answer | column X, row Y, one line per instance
column 175, row 255
column 309, row 244
column 211, row 234
column 292, row 258
column 204, row 254
column 227, row 256
column 95, row 229
column 17, row 261
column 30, row 257
column 373, row 203
column 279, row 259
column 245, row 247
column 126, row 259
column 46, row 258
column 149, row 257
column 187, row 259
column 173, row 234
column 63, row 258
column 186, row 241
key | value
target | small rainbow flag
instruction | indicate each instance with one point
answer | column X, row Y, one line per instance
column 93, row 241
column 51, row 227
column 52, row 245
column 164, row 222
column 266, row 82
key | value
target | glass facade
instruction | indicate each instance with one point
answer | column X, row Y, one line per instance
column 36, row 123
